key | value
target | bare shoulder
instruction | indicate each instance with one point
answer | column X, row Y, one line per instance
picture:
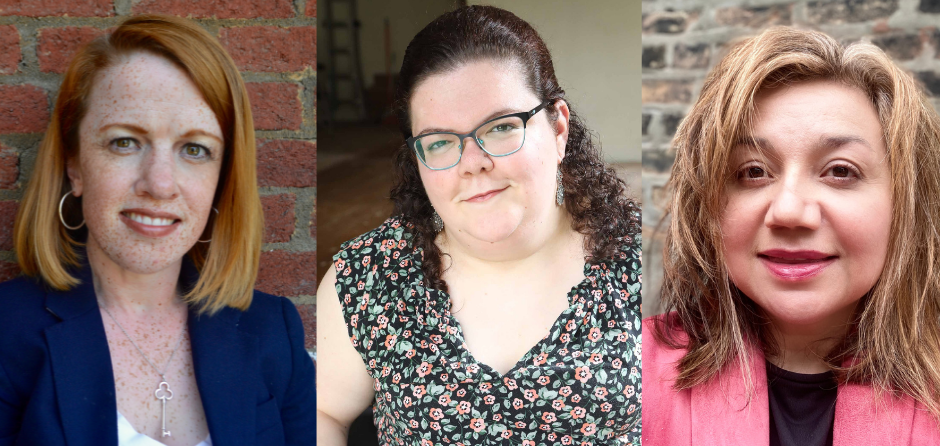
column 344, row 388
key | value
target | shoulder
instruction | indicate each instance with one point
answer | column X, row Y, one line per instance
column 286, row 368
column 392, row 238
column 624, row 271
column 392, row 229
column 626, row 258
column 660, row 361
column 22, row 302
column 658, row 357
column 24, row 350
column 269, row 315
column 666, row 411
column 22, row 286
column 276, row 325
column 376, row 261
column 630, row 248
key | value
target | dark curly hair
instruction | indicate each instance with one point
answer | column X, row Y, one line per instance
column 594, row 196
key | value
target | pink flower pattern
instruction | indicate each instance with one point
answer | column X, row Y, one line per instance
column 578, row 385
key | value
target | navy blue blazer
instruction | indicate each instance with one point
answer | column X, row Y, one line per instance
column 255, row 379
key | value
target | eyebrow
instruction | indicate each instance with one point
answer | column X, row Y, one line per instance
column 132, row 127
column 197, row 132
column 495, row 114
column 825, row 142
column 142, row 131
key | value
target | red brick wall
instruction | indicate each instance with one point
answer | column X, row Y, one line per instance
column 273, row 42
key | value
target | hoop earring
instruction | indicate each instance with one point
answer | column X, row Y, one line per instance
column 559, row 189
column 213, row 227
column 62, row 219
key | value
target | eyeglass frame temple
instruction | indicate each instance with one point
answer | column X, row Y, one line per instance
column 525, row 116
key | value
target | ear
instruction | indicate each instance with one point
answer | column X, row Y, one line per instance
column 74, row 171
column 561, row 127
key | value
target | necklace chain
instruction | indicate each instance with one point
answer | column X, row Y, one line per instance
column 168, row 362
column 163, row 392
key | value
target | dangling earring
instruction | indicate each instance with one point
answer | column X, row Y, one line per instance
column 213, row 227
column 559, row 189
column 437, row 222
column 62, row 219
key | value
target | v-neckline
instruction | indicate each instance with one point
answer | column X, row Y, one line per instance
column 589, row 272
column 127, row 432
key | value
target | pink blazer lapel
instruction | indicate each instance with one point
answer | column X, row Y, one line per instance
column 721, row 413
column 718, row 413
column 894, row 421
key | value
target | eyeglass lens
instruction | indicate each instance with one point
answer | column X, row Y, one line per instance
column 498, row 137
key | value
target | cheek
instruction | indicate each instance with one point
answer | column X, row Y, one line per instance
column 438, row 185
column 104, row 187
column 533, row 167
column 199, row 190
column 739, row 222
column 864, row 229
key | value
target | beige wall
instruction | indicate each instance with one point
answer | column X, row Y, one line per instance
column 405, row 18
column 596, row 50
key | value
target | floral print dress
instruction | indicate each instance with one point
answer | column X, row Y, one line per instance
column 579, row 385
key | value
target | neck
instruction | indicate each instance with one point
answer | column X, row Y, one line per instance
column 532, row 243
column 802, row 347
column 132, row 292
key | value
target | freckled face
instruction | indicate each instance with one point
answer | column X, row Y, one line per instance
column 488, row 198
column 808, row 212
column 148, row 165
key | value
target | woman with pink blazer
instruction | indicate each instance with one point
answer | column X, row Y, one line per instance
column 802, row 257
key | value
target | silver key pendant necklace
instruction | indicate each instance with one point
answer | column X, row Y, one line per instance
column 163, row 392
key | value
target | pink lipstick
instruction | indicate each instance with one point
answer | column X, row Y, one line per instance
column 795, row 265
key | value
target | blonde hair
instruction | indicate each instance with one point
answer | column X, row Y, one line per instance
column 229, row 264
column 894, row 343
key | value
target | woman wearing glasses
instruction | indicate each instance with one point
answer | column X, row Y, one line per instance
column 501, row 303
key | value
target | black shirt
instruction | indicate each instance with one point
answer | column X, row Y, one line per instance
column 802, row 407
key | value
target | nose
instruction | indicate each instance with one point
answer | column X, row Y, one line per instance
column 158, row 174
column 474, row 160
column 793, row 206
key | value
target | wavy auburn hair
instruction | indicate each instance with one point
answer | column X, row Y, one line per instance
column 894, row 343
column 229, row 264
column 594, row 196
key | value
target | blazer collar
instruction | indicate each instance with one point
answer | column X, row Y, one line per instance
column 81, row 365
column 227, row 368
column 720, row 409
column 223, row 358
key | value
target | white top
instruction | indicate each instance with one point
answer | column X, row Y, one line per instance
column 128, row 436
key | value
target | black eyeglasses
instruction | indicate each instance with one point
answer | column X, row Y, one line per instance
column 500, row 136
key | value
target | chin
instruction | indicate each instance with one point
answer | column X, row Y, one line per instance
column 146, row 261
column 131, row 254
column 805, row 307
column 492, row 231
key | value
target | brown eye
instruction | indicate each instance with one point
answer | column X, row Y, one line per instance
column 124, row 143
column 841, row 172
column 755, row 172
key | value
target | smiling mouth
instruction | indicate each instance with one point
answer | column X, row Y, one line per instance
column 794, row 261
column 149, row 221
column 478, row 198
column 795, row 265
